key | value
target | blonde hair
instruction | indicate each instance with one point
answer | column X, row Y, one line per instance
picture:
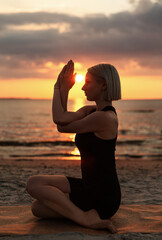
column 111, row 76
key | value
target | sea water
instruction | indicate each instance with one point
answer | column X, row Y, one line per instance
column 28, row 132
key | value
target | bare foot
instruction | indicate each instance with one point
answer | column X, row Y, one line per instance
column 95, row 222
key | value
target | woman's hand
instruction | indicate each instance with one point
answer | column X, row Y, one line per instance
column 66, row 78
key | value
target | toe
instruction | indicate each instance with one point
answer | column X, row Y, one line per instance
column 111, row 227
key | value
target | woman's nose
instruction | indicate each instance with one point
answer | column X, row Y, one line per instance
column 83, row 88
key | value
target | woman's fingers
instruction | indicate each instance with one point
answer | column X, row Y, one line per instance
column 66, row 75
column 64, row 69
column 70, row 67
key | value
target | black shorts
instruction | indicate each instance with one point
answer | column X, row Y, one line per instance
column 87, row 198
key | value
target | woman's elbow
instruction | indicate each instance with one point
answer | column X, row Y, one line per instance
column 60, row 122
column 57, row 122
column 59, row 128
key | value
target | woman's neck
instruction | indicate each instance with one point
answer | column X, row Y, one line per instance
column 101, row 104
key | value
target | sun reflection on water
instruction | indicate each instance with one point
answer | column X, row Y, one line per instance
column 75, row 152
column 78, row 103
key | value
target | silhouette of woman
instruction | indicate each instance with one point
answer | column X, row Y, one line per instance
column 93, row 199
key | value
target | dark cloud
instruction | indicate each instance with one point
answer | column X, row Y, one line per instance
column 120, row 37
column 35, row 17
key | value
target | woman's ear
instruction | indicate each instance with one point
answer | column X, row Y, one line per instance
column 104, row 85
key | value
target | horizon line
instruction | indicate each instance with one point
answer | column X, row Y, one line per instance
column 15, row 98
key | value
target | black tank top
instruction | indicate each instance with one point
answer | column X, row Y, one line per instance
column 98, row 161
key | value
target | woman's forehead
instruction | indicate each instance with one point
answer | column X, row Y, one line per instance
column 89, row 75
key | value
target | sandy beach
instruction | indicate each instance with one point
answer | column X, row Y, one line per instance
column 141, row 181
column 141, row 184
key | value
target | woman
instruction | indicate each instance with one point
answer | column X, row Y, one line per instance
column 92, row 200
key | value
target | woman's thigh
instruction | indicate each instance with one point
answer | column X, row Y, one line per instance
column 59, row 181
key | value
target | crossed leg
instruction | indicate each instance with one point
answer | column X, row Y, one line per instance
column 38, row 208
column 52, row 201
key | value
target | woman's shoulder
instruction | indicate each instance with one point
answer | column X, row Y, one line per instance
column 109, row 121
column 87, row 109
column 111, row 116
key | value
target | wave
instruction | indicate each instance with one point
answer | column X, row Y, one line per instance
column 145, row 156
column 60, row 143
column 124, row 131
column 47, row 155
column 118, row 156
column 130, row 142
column 32, row 144
column 143, row 110
column 129, row 156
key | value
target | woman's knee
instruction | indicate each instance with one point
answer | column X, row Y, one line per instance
column 32, row 183
column 59, row 181
column 35, row 208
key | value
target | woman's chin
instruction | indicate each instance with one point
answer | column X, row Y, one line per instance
column 89, row 99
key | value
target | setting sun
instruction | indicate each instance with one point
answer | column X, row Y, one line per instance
column 79, row 77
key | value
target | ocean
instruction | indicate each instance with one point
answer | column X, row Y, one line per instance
column 28, row 132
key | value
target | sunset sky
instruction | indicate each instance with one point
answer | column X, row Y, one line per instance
column 38, row 37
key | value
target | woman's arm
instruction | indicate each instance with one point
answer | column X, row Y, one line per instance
column 95, row 122
column 64, row 83
column 62, row 117
column 57, row 108
column 64, row 92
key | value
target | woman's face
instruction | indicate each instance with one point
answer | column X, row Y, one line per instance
column 92, row 88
